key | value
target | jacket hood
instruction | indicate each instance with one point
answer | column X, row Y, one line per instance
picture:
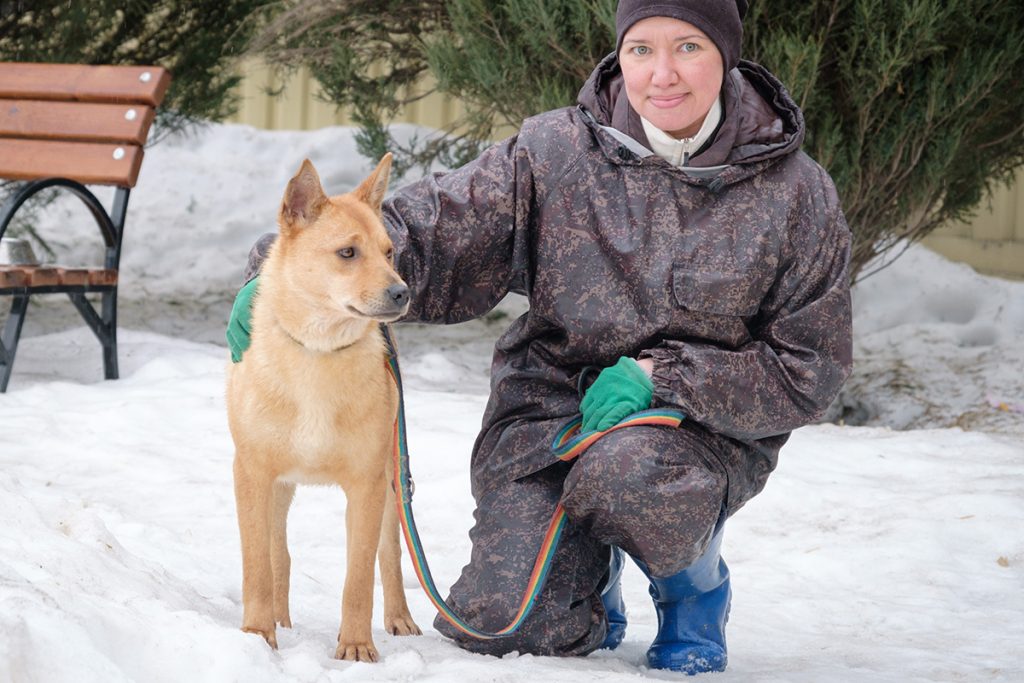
column 760, row 120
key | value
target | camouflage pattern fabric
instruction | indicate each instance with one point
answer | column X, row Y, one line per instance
column 654, row 491
column 732, row 277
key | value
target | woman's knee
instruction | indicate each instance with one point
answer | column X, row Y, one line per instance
column 648, row 468
column 511, row 522
column 563, row 622
column 575, row 632
column 658, row 505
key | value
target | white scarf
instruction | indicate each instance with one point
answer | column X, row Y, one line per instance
column 678, row 152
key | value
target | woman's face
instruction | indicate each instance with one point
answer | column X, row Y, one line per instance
column 673, row 73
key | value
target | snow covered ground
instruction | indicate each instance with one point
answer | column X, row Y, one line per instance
column 888, row 549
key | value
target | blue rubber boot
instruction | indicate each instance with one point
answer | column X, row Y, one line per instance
column 692, row 608
column 611, row 598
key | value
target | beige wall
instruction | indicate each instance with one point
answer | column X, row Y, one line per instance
column 297, row 106
column 993, row 243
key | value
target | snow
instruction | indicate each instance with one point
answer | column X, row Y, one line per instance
column 886, row 551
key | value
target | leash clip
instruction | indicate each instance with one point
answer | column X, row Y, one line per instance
column 400, row 493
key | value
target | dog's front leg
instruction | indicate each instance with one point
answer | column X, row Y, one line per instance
column 363, row 512
column 253, row 488
column 397, row 618
column 280, row 560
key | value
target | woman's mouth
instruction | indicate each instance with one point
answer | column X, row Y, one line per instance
column 666, row 101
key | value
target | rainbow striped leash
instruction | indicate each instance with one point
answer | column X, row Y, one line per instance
column 568, row 444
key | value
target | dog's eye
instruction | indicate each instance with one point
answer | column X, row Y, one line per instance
column 347, row 252
column 390, row 254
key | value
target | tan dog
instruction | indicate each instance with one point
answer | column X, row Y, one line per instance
column 312, row 403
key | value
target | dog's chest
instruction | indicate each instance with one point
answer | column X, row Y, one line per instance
column 316, row 435
column 326, row 436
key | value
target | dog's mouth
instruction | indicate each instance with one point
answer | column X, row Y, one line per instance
column 389, row 316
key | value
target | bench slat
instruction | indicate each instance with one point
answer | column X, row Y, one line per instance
column 88, row 163
column 75, row 121
column 102, row 277
column 11, row 276
column 50, row 276
column 42, row 276
column 84, row 82
column 72, row 276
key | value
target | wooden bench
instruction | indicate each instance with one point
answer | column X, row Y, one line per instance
column 68, row 126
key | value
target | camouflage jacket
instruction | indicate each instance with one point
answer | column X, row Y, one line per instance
column 731, row 274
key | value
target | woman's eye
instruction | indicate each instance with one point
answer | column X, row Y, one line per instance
column 641, row 50
column 347, row 252
column 690, row 47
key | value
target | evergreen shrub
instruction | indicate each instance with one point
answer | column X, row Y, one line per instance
column 913, row 106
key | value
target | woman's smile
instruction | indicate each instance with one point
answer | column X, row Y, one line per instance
column 667, row 101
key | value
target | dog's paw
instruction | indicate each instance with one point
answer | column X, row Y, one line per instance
column 402, row 625
column 284, row 622
column 268, row 635
column 356, row 652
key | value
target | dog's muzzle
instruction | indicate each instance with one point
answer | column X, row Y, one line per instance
column 398, row 295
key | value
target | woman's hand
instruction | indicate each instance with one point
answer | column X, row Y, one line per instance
column 619, row 391
column 240, row 321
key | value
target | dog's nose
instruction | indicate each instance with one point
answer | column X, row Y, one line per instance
column 399, row 294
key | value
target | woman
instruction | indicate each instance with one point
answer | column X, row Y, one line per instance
column 669, row 230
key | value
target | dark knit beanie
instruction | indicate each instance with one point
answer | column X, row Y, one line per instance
column 721, row 20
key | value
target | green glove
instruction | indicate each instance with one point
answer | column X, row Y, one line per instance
column 240, row 320
column 618, row 391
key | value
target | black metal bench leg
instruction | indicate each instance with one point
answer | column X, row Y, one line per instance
column 9, row 337
column 110, row 342
column 104, row 327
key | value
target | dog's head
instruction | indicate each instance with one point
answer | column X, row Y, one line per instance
column 337, row 248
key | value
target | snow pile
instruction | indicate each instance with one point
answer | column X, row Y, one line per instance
column 937, row 345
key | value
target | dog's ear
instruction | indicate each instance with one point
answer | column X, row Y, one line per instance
column 304, row 197
column 373, row 189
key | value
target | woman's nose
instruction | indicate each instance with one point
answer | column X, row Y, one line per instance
column 664, row 73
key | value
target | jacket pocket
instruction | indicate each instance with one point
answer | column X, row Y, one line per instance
column 717, row 292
